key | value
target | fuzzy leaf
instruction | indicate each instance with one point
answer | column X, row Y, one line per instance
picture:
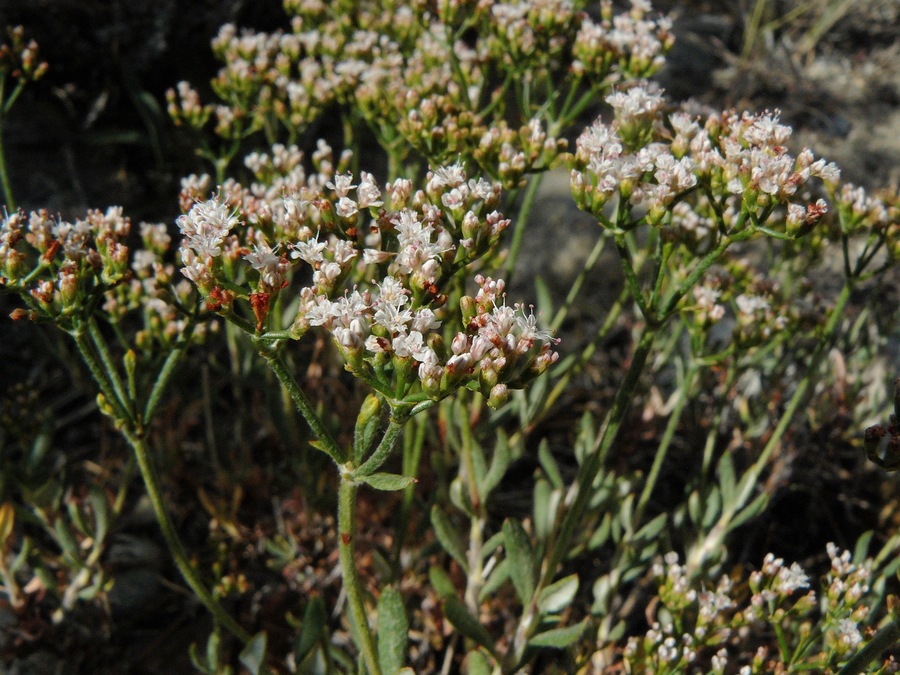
column 521, row 559
column 312, row 629
column 389, row 482
column 449, row 537
column 726, row 479
column 559, row 637
column 551, row 468
column 558, row 595
column 253, row 656
column 499, row 464
column 477, row 663
column 752, row 510
column 441, row 583
column 466, row 624
column 497, row 578
column 393, row 628
column 650, row 531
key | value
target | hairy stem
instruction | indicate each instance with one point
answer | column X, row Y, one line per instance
column 327, row 443
column 176, row 548
column 352, row 585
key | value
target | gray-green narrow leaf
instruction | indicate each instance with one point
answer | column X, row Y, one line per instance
column 253, row 656
column 521, row 559
column 393, row 629
column 466, row 624
column 559, row 638
column 558, row 595
column 449, row 537
column 388, row 482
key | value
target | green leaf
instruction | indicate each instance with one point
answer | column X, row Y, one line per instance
column 367, row 423
column 495, row 580
column 393, row 629
column 559, row 638
column 441, row 583
column 558, row 595
column 479, row 464
column 601, row 534
column 448, row 536
column 652, row 529
column 101, row 513
column 752, row 510
column 253, row 656
column 312, row 630
column 491, row 545
column 477, row 663
column 499, row 464
column 726, row 479
column 389, row 482
column 521, row 559
column 544, row 296
column 713, row 508
column 862, row 546
column 546, row 502
column 550, row 466
column 466, row 624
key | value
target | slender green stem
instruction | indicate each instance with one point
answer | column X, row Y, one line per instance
column 4, row 176
column 86, row 348
column 352, row 585
column 799, row 396
column 474, row 579
column 521, row 224
column 386, row 446
column 572, row 369
column 327, row 443
column 574, row 292
column 176, row 548
column 662, row 450
column 110, row 368
column 631, row 279
column 883, row 639
column 580, row 492
column 165, row 374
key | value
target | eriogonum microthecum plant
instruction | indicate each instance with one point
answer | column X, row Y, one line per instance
column 361, row 287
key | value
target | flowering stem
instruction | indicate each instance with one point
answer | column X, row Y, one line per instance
column 110, row 368
column 326, row 443
column 4, row 177
column 883, row 639
column 474, row 579
column 100, row 375
column 176, row 548
column 662, row 450
column 388, row 441
column 165, row 374
column 580, row 492
column 352, row 586
column 128, row 429
column 521, row 221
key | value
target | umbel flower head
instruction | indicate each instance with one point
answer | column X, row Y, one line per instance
column 652, row 160
column 373, row 267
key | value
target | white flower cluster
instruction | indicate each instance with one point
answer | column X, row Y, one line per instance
column 398, row 246
column 637, row 158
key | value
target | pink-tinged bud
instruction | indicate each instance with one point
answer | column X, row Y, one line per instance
column 499, row 396
column 68, row 288
column 15, row 265
column 470, row 225
column 19, row 314
column 459, row 365
column 469, row 308
column 460, row 344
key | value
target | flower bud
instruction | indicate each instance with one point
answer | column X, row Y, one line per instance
column 499, row 396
